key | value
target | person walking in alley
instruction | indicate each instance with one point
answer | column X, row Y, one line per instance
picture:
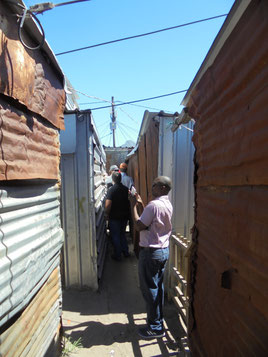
column 117, row 210
column 126, row 180
column 129, row 183
column 155, row 228
column 108, row 180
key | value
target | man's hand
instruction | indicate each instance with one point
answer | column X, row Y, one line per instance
column 132, row 199
column 139, row 200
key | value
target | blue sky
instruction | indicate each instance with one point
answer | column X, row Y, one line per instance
column 135, row 69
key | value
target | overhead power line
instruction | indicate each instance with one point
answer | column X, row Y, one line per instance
column 141, row 35
column 141, row 100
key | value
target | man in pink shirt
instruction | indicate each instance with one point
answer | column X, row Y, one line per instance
column 155, row 228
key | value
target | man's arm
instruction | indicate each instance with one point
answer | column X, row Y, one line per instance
column 136, row 218
column 107, row 210
column 136, row 202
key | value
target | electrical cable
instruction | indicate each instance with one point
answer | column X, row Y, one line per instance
column 141, row 35
column 141, row 100
column 106, row 135
column 128, row 136
column 130, row 117
column 127, row 126
column 31, row 13
column 123, row 133
column 26, row 13
column 143, row 106
column 135, row 105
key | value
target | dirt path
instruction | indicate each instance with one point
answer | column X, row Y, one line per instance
column 107, row 320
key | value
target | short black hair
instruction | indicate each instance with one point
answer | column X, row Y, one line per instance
column 164, row 181
column 116, row 177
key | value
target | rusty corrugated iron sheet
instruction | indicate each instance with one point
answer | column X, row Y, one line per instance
column 34, row 330
column 27, row 76
column 29, row 146
column 143, row 163
column 229, row 314
column 144, row 169
column 231, row 101
column 115, row 155
column 230, row 300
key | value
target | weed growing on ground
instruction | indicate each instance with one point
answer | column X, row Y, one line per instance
column 70, row 346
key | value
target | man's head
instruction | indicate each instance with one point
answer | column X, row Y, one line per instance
column 123, row 167
column 113, row 168
column 116, row 177
column 161, row 186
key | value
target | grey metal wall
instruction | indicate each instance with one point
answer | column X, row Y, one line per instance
column 175, row 159
column 183, row 171
column 83, row 193
column 30, row 241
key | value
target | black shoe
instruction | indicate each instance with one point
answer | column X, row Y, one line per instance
column 114, row 257
column 147, row 333
column 126, row 255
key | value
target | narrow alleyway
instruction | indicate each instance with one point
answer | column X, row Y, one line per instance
column 107, row 320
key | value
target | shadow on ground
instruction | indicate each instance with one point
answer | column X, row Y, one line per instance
column 107, row 320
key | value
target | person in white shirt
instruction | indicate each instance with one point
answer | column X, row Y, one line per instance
column 126, row 180
column 108, row 180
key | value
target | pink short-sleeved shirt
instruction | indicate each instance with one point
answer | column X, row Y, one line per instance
column 157, row 217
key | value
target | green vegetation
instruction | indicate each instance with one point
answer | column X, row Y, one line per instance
column 70, row 346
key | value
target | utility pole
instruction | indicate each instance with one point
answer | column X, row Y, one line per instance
column 113, row 123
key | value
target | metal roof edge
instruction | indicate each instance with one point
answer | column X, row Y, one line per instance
column 34, row 30
column 230, row 22
column 182, row 118
column 145, row 121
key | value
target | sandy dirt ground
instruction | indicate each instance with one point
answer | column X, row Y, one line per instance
column 107, row 321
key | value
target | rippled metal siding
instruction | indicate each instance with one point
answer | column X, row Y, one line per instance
column 38, row 325
column 229, row 302
column 176, row 152
column 30, row 241
column 183, row 177
column 83, row 195
column 36, row 153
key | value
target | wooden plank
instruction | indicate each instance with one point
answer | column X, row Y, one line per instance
column 179, row 242
column 179, row 277
column 152, row 143
column 180, row 308
column 181, row 296
column 143, row 170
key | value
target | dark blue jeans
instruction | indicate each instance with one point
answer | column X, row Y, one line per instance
column 152, row 264
column 117, row 230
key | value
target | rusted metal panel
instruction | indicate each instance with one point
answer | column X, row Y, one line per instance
column 229, row 291
column 32, row 332
column 115, row 155
column 231, row 103
column 152, row 150
column 133, row 170
column 143, row 169
column 30, row 242
column 28, row 76
column 29, row 146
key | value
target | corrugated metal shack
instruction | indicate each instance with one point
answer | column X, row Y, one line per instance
column 32, row 101
column 115, row 155
column 164, row 147
column 83, row 196
column 229, row 101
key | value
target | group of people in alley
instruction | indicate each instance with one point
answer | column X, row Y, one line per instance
column 153, row 221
